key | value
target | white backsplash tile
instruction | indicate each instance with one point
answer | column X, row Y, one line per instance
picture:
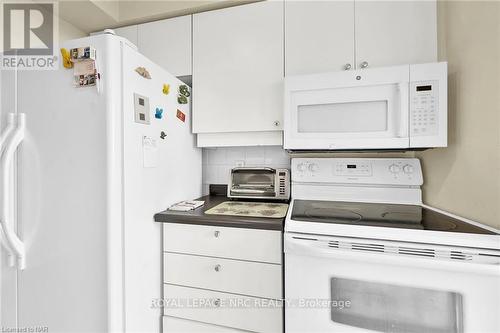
column 254, row 156
column 235, row 155
column 216, row 156
column 223, row 173
column 218, row 162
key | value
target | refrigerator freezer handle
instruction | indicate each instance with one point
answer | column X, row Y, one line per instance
column 3, row 138
column 14, row 243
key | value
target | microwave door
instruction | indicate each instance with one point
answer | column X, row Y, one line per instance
column 372, row 114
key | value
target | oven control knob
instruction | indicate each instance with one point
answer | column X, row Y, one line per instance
column 301, row 167
column 313, row 167
column 394, row 168
column 408, row 168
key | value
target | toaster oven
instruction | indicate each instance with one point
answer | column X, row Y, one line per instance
column 259, row 183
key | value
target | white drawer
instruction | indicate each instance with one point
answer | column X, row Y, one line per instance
column 225, row 242
column 227, row 275
column 252, row 314
column 177, row 325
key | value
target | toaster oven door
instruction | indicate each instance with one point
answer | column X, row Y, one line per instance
column 252, row 183
column 365, row 109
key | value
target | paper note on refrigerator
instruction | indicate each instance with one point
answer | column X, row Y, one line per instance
column 150, row 152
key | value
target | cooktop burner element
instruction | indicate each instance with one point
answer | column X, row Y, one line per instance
column 340, row 215
column 379, row 215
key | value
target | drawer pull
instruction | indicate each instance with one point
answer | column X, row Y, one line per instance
column 217, row 268
column 217, row 302
column 217, row 234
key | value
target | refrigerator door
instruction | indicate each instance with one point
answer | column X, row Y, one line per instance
column 8, row 275
column 159, row 170
column 65, row 179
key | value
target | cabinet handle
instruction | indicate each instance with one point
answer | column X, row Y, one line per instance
column 364, row 64
column 347, row 67
column 217, row 302
column 276, row 123
column 217, row 268
column 217, row 234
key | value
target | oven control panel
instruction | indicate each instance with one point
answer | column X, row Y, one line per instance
column 370, row 171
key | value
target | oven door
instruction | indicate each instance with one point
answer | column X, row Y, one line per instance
column 365, row 109
column 337, row 284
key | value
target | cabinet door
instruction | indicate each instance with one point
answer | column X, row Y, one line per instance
column 238, row 69
column 395, row 32
column 129, row 32
column 319, row 36
column 168, row 43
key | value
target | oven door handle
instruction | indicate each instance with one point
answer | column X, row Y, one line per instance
column 308, row 245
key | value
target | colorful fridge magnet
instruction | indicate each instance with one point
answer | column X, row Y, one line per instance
column 163, row 135
column 184, row 90
column 181, row 99
column 83, row 53
column 66, row 57
column 166, row 88
column 158, row 113
column 181, row 115
column 85, row 73
column 85, row 80
column 143, row 72
column 84, row 64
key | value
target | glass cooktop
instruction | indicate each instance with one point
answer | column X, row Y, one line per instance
column 380, row 215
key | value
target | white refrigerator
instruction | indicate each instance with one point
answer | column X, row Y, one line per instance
column 96, row 163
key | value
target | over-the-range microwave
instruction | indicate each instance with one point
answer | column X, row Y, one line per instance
column 397, row 107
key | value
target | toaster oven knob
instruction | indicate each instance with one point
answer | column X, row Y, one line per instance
column 313, row 167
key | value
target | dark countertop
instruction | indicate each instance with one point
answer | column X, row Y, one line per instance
column 198, row 216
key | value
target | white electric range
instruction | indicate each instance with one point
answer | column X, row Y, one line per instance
column 363, row 254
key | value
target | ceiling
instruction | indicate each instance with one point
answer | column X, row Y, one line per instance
column 95, row 15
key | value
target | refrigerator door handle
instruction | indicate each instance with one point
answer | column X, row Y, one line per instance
column 3, row 138
column 13, row 241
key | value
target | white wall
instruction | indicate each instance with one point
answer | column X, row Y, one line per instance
column 69, row 31
column 217, row 162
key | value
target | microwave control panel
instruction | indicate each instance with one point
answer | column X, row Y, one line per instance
column 424, row 108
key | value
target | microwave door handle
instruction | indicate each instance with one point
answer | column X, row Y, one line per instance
column 404, row 111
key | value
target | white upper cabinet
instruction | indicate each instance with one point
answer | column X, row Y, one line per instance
column 168, row 43
column 319, row 36
column 395, row 32
column 238, row 71
column 324, row 36
column 129, row 32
